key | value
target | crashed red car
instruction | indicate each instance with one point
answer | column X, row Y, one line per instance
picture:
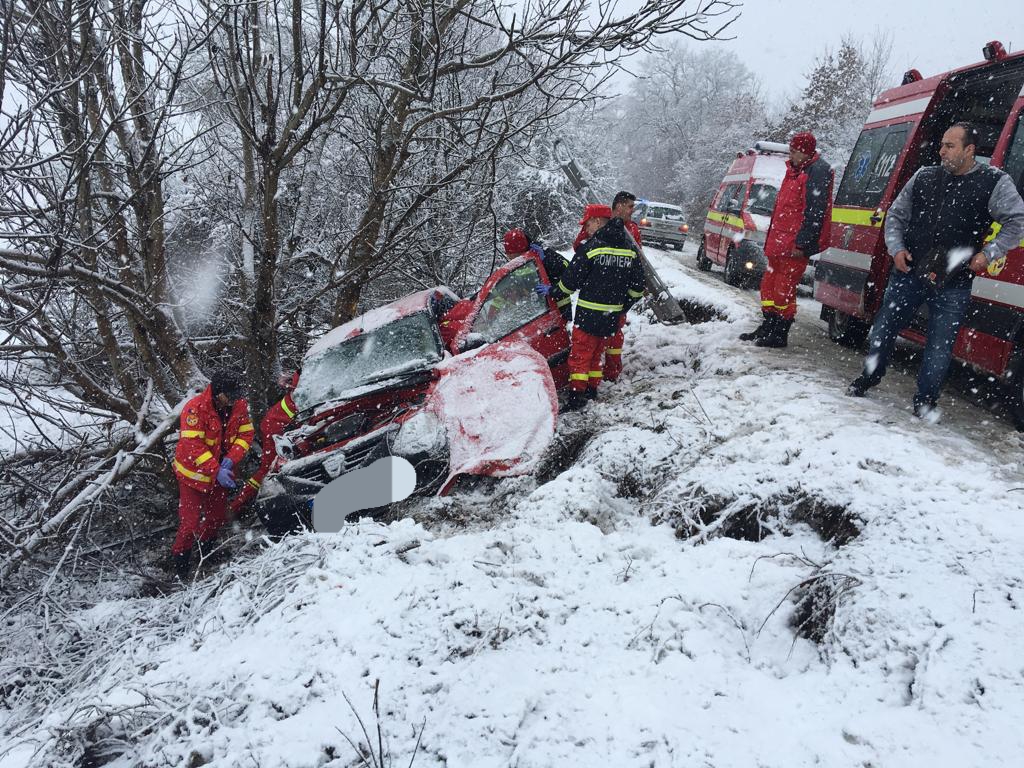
column 454, row 386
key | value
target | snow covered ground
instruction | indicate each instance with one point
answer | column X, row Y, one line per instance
column 637, row 609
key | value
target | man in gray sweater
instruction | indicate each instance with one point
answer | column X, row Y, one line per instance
column 935, row 231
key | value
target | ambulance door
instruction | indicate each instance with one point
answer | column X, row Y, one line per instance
column 849, row 277
column 713, row 225
column 992, row 336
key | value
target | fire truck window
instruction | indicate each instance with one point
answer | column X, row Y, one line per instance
column 762, row 199
column 871, row 165
column 511, row 304
column 1014, row 162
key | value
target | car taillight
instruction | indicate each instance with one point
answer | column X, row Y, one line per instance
column 685, row 228
column 644, row 223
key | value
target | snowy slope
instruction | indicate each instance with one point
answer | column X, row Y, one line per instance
column 635, row 610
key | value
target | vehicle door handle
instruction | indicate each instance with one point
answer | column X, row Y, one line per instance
column 875, row 217
column 552, row 330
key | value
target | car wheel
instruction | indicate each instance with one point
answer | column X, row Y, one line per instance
column 845, row 330
column 703, row 262
column 733, row 270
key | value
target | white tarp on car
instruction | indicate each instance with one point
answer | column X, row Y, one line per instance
column 498, row 406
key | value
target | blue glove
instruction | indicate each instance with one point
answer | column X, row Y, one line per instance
column 542, row 289
column 225, row 477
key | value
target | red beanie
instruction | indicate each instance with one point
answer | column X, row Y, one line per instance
column 596, row 211
column 516, row 242
column 803, row 142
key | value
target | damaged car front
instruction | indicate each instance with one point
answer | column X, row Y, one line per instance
column 359, row 399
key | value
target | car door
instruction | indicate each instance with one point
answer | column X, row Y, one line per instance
column 508, row 309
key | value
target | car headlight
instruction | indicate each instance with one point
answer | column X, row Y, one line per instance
column 422, row 433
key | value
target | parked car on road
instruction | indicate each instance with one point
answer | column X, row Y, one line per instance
column 455, row 386
column 661, row 223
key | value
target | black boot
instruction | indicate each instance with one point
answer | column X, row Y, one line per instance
column 860, row 386
column 777, row 335
column 181, row 563
column 758, row 332
column 591, row 393
column 576, row 401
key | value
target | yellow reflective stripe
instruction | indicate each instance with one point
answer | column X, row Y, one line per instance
column 860, row 216
column 996, row 226
column 599, row 307
column 284, row 407
column 562, row 303
column 613, row 350
column 254, row 483
column 246, row 428
column 578, row 377
column 767, row 303
column 562, row 288
column 596, row 375
column 241, row 442
column 210, row 441
column 726, row 218
column 204, row 457
column 192, row 433
column 635, row 294
column 190, row 474
column 609, row 251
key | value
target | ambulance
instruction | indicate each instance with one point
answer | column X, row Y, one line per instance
column 902, row 133
column 740, row 213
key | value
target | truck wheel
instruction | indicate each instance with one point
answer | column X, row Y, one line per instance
column 847, row 331
column 703, row 262
column 733, row 270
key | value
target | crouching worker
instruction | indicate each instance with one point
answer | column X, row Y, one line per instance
column 216, row 432
column 278, row 417
column 609, row 275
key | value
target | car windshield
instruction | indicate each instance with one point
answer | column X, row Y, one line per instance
column 762, row 199
column 403, row 346
column 669, row 214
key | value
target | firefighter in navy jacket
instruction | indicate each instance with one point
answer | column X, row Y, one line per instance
column 799, row 229
column 622, row 208
column 609, row 275
column 216, row 432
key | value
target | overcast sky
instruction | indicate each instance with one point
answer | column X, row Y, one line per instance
column 779, row 39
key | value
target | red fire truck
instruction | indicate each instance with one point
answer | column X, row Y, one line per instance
column 901, row 134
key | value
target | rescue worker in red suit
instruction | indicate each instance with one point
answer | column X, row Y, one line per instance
column 216, row 432
column 274, row 423
column 799, row 229
column 609, row 275
column 622, row 208
column 517, row 243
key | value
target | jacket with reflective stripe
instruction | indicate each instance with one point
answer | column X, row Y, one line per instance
column 609, row 275
column 204, row 441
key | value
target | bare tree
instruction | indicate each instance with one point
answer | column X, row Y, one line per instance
column 269, row 158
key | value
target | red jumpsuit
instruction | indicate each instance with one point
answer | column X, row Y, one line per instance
column 203, row 442
column 613, row 345
column 803, row 210
column 278, row 417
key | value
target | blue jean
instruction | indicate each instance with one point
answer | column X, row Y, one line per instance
column 946, row 310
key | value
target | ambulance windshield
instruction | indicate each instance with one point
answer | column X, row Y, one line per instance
column 762, row 199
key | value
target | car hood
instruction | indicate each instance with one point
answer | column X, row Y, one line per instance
column 498, row 406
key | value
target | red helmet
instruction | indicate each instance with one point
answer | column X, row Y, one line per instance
column 516, row 242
